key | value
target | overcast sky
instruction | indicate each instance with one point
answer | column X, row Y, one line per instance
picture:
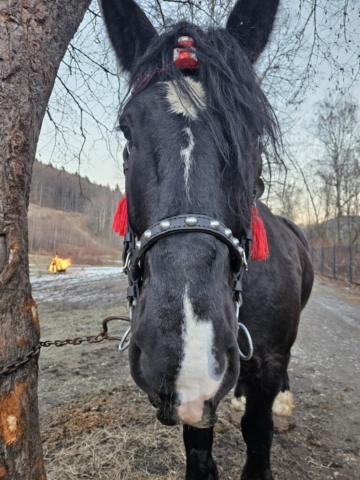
column 103, row 144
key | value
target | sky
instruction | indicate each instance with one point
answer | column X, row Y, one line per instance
column 95, row 148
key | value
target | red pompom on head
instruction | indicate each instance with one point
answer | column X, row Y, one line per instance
column 259, row 246
column 185, row 58
column 120, row 221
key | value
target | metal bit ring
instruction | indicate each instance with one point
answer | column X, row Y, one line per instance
column 249, row 339
column 123, row 345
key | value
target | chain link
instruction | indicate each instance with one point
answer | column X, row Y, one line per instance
column 35, row 351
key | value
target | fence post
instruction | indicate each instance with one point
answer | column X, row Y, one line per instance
column 334, row 261
column 350, row 264
column 322, row 261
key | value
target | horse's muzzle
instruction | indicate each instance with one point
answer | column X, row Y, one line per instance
column 169, row 416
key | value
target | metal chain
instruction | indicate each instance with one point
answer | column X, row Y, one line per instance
column 35, row 351
column 12, row 367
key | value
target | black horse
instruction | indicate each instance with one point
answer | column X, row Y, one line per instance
column 192, row 161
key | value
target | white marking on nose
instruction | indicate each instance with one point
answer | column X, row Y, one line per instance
column 186, row 155
column 197, row 380
column 180, row 103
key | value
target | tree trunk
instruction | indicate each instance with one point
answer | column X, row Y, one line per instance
column 34, row 35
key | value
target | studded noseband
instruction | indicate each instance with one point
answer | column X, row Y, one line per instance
column 134, row 252
column 135, row 249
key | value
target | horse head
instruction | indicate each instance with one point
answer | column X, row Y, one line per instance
column 193, row 135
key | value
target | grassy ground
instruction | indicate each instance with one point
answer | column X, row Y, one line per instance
column 98, row 425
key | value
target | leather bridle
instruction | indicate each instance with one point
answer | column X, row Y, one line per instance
column 135, row 248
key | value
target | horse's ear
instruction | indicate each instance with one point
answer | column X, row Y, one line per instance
column 129, row 29
column 251, row 22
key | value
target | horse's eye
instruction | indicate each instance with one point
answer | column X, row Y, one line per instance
column 126, row 131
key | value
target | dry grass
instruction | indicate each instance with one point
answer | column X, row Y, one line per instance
column 116, row 436
column 69, row 234
column 105, row 438
column 104, row 454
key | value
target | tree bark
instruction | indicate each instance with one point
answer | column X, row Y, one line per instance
column 34, row 35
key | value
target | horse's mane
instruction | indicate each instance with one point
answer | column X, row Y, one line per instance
column 232, row 94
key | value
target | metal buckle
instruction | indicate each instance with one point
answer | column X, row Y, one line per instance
column 243, row 257
column 124, row 345
column 127, row 263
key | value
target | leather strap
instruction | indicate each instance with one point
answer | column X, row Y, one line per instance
column 191, row 224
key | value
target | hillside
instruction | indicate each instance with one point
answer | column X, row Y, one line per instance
column 72, row 216
column 69, row 192
column 68, row 234
column 327, row 233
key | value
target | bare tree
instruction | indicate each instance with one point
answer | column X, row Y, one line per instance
column 34, row 35
column 312, row 37
column 337, row 128
column 287, row 201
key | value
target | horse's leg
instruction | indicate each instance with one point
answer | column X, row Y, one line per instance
column 199, row 462
column 283, row 406
column 257, row 423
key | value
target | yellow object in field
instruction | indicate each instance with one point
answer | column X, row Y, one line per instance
column 59, row 264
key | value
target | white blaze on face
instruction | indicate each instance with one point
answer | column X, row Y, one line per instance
column 197, row 380
column 186, row 155
column 180, row 103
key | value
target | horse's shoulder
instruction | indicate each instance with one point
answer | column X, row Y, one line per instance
column 295, row 229
column 273, row 220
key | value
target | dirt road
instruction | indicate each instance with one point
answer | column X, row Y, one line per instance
column 97, row 425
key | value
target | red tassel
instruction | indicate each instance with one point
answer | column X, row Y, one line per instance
column 259, row 246
column 121, row 217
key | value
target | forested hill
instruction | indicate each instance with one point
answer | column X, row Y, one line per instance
column 58, row 189
column 71, row 215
